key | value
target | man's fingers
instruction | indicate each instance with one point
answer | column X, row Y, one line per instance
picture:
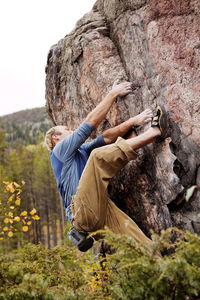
column 122, row 88
column 148, row 110
column 115, row 82
column 129, row 85
column 148, row 113
column 147, row 120
column 126, row 84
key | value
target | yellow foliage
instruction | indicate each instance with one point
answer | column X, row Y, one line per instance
column 36, row 217
column 18, row 201
column 6, row 182
column 10, row 187
column 13, row 201
column 10, row 233
column 16, row 184
column 1, row 238
column 24, row 213
column 10, row 214
column 25, row 228
column 33, row 211
column 23, row 182
column 11, row 198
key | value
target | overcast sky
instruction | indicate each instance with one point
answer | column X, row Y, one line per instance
column 28, row 29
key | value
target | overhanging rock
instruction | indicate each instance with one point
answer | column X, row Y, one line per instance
column 156, row 45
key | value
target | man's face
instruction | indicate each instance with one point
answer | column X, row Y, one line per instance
column 65, row 131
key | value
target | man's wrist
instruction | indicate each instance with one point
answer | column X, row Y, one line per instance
column 113, row 94
column 133, row 121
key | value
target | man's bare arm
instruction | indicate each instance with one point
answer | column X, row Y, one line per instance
column 110, row 135
column 96, row 116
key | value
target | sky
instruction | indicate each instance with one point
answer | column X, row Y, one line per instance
column 28, row 29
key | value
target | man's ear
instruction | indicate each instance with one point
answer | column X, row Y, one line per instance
column 56, row 138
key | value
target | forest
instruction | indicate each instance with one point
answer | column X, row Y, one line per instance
column 25, row 169
column 30, row 165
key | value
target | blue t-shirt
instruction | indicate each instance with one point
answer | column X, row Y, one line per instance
column 68, row 159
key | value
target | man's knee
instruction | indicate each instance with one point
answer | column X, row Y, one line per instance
column 98, row 153
column 111, row 155
column 86, row 220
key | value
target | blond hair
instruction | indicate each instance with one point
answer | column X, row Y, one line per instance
column 48, row 140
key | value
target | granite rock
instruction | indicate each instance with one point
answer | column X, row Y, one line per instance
column 156, row 46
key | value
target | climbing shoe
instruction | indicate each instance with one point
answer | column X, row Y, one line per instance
column 161, row 121
column 80, row 240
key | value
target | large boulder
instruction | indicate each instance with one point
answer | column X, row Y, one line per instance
column 156, row 46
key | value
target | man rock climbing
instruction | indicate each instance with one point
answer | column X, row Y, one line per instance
column 83, row 170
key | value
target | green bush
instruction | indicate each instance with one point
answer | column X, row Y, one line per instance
column 134, row 274
column 34, row 272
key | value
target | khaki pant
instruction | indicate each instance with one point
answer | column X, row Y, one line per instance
column 91, row 207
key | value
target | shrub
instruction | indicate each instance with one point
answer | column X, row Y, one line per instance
column 34, row 272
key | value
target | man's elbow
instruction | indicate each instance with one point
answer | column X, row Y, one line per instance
column 107, row 141
column 92, row 121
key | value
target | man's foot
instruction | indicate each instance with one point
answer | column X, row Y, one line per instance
column 80, row 240
column 161, row 121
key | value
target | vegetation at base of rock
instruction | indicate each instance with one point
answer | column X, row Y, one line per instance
column 34, row 272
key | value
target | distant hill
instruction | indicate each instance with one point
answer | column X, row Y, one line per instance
column 24, row 127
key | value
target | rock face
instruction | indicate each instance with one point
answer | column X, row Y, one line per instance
column 156, row 46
